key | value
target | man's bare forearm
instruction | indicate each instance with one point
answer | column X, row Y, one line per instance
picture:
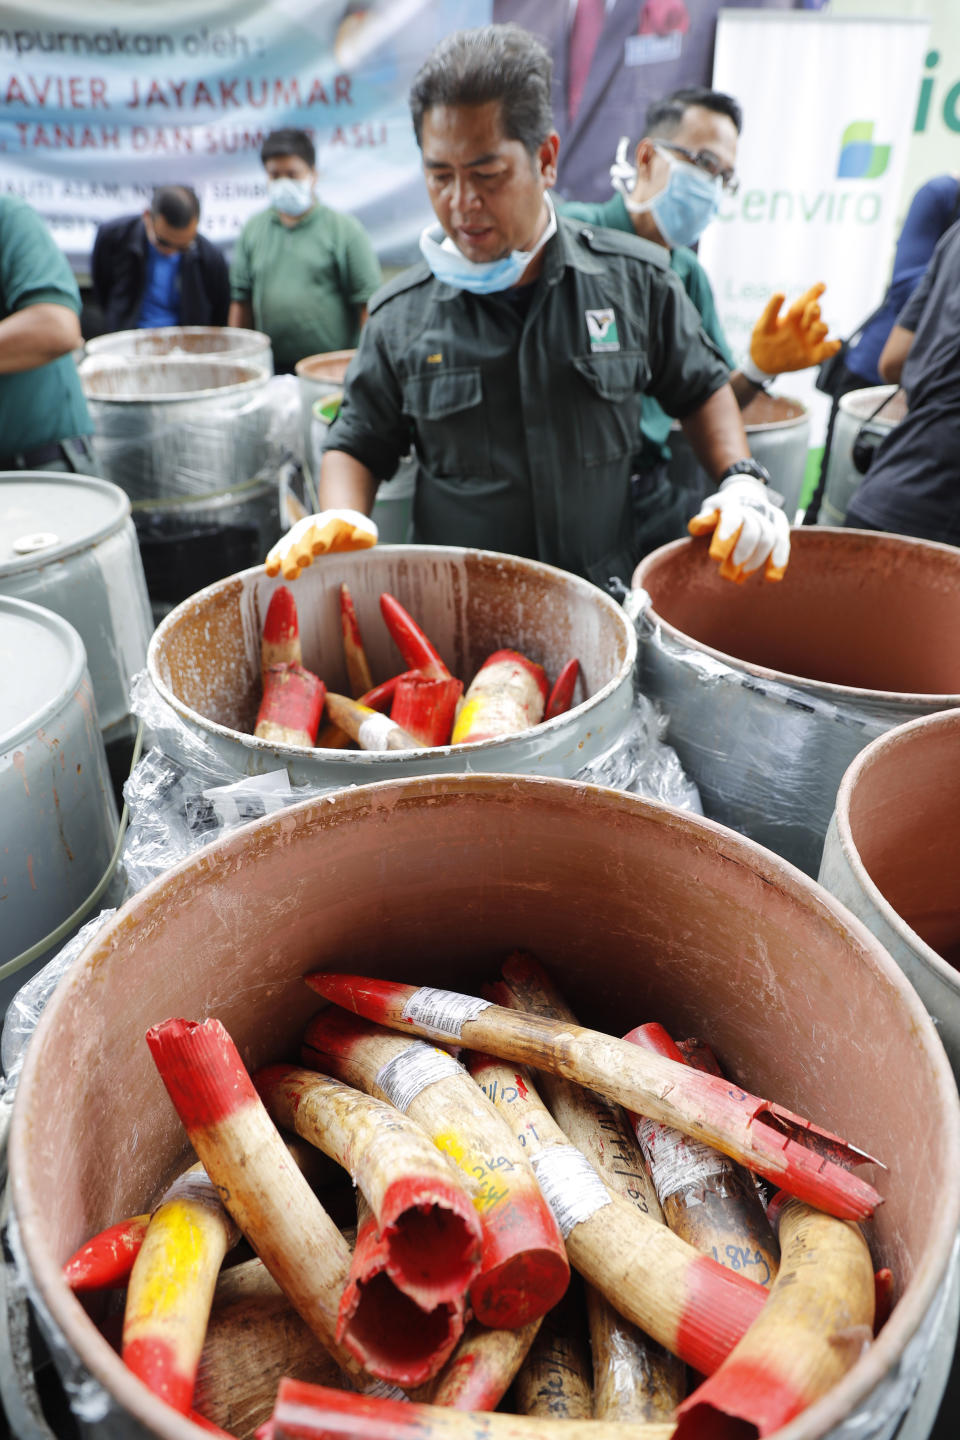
column 716, row 432
column 240, row 315
column 36, row 335
column 345, row 484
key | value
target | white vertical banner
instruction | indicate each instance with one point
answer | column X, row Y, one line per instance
column 829, row 105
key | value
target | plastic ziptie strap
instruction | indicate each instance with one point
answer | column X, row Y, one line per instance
column 63, row 929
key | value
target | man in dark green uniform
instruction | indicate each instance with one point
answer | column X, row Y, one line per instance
column 516, row 358
column 669, row 195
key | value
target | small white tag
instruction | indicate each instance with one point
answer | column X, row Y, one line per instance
column 676, row 1160
column 443, row 1010
column 373, row 732
column 403, row 1077
column 570, row 1185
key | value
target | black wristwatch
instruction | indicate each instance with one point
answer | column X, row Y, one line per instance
column 745, row 467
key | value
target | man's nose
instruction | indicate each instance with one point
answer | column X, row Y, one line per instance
column 466, row 193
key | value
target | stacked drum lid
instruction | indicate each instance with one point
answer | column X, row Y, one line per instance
column 59, row 818
column 67, row 542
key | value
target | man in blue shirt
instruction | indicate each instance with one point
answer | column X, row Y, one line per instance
column 155, row 269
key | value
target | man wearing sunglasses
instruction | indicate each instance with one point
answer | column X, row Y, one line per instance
column 155, row 269
column 669, row 195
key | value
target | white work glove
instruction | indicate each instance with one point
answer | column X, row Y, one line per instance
column 328, row 533
column 749, row 529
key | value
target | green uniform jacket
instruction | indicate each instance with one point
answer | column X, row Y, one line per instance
column 613, row 214
column 524, row 415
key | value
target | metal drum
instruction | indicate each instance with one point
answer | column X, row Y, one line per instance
column 892, row 855
column 67, row 542
column 319, row 377
column 843, row 477
column 778, row 431
column 186, row 340
column 772, row 689
column 393, row 507
column 204, row 658
column 639, row 911
column 59, row 821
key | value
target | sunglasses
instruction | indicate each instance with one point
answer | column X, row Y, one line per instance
column 708, row 162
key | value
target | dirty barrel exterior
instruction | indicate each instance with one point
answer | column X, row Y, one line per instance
column 67, row 542
column 892, row 855
column 59, row 816
column 772, row 689
column 638, row 910
column 204, row 658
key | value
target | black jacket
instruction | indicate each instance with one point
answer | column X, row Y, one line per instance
column 118, row 273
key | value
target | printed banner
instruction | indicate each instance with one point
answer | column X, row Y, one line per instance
column 829, row 111
column 102, row 102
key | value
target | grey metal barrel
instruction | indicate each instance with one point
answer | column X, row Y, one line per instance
column 772, row 689
column 892, row 855
column 778, row 432
column 186, row 340
column 67, row 542
column 59, row 818
column 843, row 477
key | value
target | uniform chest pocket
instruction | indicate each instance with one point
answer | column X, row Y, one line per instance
column 449, row 420
column 607, row 404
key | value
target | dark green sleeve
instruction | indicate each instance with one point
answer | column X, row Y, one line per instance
column 686, row 366
column 359, row 267
column 370, row 425
column 700, row 290
column 33, row 270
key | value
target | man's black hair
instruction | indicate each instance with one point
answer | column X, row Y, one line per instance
column 664, row 117
column 474, row 67
column 177, row 204
column 288, row 142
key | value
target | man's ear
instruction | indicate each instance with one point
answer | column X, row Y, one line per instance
column 643, row 155
column 547, row 155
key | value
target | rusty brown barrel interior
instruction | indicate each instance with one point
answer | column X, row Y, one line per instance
column 641, row 912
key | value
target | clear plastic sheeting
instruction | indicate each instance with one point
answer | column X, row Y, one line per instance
column 184, row 793
column 767, row 756
column 181, row 428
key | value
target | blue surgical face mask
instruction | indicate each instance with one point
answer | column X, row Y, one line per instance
column 290, row 197
column 683, row 208
column 480, row 278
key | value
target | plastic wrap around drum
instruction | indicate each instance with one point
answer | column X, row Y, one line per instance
column 640, row 912
column 204, row 659
column 172, row 429
column 772, row 689
column 778, row 433
column 177, row 341
column 855, row 409
column 892, row 855
column 67, row 542
column 59, row 820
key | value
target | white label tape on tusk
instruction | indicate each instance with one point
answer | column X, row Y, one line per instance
column 676, row 1160
column 403, row 1077
column 570, row 1185
column 373, row 732
column 443, row 1010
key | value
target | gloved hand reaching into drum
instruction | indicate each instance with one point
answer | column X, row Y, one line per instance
column 326, row 533
column 749, row 529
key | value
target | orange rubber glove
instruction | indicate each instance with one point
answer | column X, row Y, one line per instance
column 328, row 533
column 792, row 341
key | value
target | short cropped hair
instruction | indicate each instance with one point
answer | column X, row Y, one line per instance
column 664, row 117
column 288, row 142
column 474, row 67
column 177, row 204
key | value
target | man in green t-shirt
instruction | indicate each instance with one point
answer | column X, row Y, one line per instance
column 44, row 421
column 302, row 273
column 669, row 195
